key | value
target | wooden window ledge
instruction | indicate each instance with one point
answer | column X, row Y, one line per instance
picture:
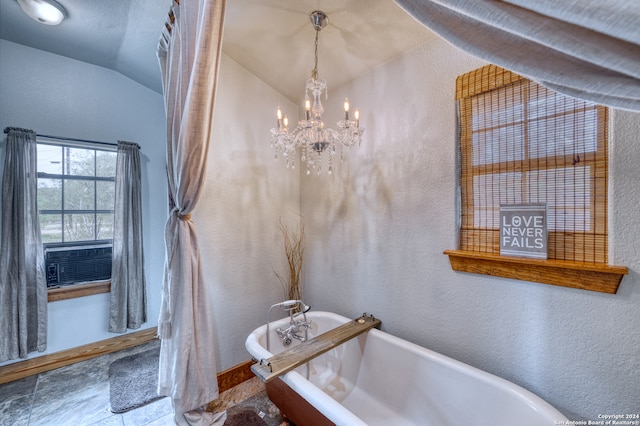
column 585, row 276
column 80, row 290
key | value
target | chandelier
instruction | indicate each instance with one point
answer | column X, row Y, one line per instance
column 311, row 136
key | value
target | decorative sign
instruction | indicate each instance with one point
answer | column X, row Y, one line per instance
column 523, row 230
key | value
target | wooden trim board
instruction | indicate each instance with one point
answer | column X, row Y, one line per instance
column 234, row 376
column 586, row 276
column 80, row 290
column 40, row 364
column 8, row 373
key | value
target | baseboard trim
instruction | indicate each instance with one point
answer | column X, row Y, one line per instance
column 19, row 370
column 40, row 364
column 234, row 376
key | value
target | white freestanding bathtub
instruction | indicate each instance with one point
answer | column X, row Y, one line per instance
column 379, row 379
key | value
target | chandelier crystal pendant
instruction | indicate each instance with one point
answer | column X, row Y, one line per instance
column 311, row 136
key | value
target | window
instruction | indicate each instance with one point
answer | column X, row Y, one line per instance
column 75, row 193
column 523, row 143
column 76, row 184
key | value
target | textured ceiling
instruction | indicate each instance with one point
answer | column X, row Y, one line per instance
column 271, row 38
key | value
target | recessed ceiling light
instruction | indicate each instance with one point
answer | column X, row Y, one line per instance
column 47, row 12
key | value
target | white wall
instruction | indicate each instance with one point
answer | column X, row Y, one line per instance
column 58, row 96
column 246, row 194
column 378, row 227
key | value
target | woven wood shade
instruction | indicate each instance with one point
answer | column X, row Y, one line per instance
column 523, row 143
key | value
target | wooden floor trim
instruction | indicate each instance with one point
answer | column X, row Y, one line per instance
column 19, row 370
column 40, row 364
column 234, row 376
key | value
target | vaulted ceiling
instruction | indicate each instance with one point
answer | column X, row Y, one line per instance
column 273, row 39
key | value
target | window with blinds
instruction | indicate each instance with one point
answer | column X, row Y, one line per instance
column 523, row 143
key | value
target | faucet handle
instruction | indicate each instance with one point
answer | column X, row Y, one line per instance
column 302, row 323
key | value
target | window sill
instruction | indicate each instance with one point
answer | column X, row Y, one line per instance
column 80, row 290
column 585, row 276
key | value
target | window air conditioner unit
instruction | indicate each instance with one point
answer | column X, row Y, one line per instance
column 71, row 265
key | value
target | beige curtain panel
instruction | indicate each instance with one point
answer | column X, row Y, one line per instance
column 189, row 56
column 588, row 49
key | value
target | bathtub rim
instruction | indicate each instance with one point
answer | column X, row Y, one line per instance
column 528, row 397
column 259, row 352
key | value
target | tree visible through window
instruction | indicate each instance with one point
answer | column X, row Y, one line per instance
column 75, row 193
column 523, row 143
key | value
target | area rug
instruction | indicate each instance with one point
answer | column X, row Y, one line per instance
column 133, row 381
column 244, row 418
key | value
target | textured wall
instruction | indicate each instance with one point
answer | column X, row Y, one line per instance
column 245, row 195
column 378, row 227
column 62, row 97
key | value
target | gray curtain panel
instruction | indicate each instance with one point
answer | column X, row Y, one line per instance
column 23, row 288
column 189, row 59
column 588, row 49
column 128, row 307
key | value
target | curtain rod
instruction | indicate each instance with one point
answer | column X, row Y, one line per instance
column 6, row 130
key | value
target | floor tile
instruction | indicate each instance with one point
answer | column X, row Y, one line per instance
column 16, row 412
column 17, row 388
column 114, row 420
column 148, row 413
column 163, row 421
column 72, row 395
column 89, row 406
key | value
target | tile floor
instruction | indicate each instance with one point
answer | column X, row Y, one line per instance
column 78, row 395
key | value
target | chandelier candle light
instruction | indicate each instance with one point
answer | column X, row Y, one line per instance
column 311, row 136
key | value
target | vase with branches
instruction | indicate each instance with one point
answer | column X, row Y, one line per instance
column 293, row 239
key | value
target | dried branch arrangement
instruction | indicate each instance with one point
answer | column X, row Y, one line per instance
column 294, row 250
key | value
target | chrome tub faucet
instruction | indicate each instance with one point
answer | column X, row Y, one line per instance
column 298, row 328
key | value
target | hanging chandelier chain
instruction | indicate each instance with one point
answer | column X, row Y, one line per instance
column 314, row 72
